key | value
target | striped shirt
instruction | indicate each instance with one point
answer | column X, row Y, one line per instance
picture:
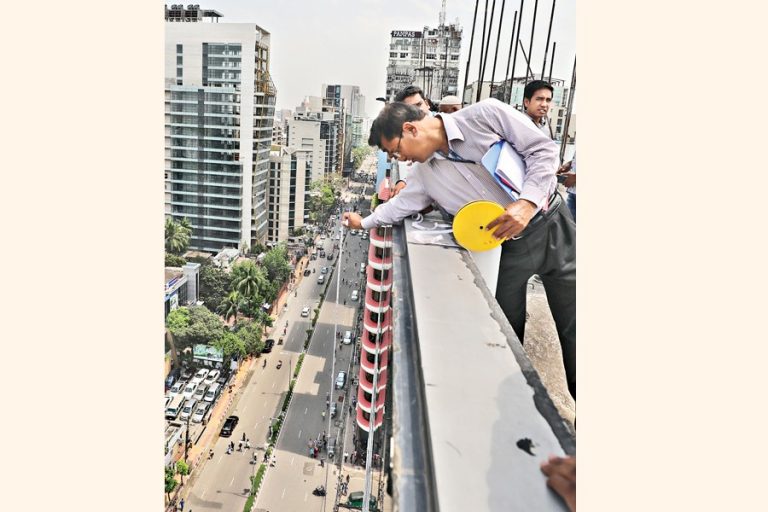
column 471, row 131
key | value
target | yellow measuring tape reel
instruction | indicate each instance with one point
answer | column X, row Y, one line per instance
column 469, row 225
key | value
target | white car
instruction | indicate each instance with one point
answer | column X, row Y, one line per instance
column 177, row 388
column 200, row 392
column 347, row 337
column 189, row 390
column 305, row 311
column 355, row 295
column 341, row 379
column 186, row 412
column 211, row 378
column 201, row 411
column 200, row 376
column 362, row 268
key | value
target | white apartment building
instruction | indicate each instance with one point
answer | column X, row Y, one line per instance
column 428, row 58
column 219, row 110
column 289, row 180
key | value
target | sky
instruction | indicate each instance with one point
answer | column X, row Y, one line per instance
column 315, row 42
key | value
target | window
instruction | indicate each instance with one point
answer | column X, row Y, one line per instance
column 403, row 55
column 179, row 48
column 392, row 55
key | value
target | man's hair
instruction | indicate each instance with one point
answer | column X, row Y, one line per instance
column 409, row 91
column 535, row 85
column 389, row 123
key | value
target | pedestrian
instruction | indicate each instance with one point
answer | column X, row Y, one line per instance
column 181, row 504
column 322, row 462
column 243, row 436
column 347, row 479
column 538, row 235
column 346, row 455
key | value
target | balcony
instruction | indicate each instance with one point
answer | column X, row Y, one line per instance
column 368, row 343
column 364, row 423
column 368, row 365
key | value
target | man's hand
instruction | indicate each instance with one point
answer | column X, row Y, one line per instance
column 351, row 220
column 561, row 477
column 565, row 167
column 513, row 221
column 400, row 186
column 570, row 179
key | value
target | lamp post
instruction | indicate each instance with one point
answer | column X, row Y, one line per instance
column 186, row 440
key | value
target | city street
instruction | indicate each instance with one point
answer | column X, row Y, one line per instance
column 223, row 482
column 288, row 485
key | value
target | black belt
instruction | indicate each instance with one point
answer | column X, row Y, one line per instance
column 541, row 218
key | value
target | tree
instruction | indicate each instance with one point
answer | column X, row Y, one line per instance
column 201, row 327
column 277, row 265
column 170, row 481
column 177, row 236
column 172, row 260
column 214, row 286
column 359, row 154
column 251, row 281
column 182, row 468
column 321, row 199
column 231, row 305
column 250, row 332
column 230, row 344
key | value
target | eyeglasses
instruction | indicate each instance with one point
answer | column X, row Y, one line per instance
column 396, row 153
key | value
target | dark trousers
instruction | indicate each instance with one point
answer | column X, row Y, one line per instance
column 550, row 252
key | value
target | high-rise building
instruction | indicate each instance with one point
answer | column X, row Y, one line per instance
column 289, row 179
column 428, row 58
column 348, row 106
column 314, row 108
column 219, row 110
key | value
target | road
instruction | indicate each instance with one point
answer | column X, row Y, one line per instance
column 289, row 483
column 223, row 482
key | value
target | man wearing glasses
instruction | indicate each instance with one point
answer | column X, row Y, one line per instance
column 539, row 234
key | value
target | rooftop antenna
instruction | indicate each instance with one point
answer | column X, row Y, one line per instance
column 442, row 15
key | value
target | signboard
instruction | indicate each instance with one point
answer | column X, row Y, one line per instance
column 406, row 33
column 207, row 353
column 174, row 301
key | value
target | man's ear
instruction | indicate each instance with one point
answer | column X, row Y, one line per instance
column 410, row 128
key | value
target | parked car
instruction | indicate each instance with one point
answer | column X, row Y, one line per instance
column 211, row 378
column 307, row 271
column 330, row 256
column 200, row 376
column 229, row 426
column 324, row 270
column 353, row 232
column 305, row 311
column 355, row 295
column 190, row 389
column 188, row 409
column 320, row 279
column 268, row 346
column 333, row 409
column 321, row 254
column 186, row 373
column 362, row 268
column 312, row 256
column 201, row 411
column 200, row 392
column 341, row 379
column 178, row 387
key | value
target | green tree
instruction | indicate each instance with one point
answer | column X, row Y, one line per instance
column 202, row 327
column 170, row 481
column 214, row 286
column 359, row 154
column 277, row 265
column 182, row 468
column 177, row 235
column 230, row 344
column 231, row 305
column 250, row 332
column 251, row 281
column 172, row 260
column 321, row 198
